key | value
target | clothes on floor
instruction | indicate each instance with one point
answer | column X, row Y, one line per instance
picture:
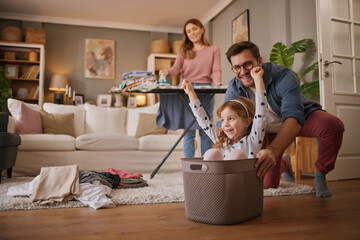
column 124, row 173
column 95, row 196
column 104, row 178
column 56, row 184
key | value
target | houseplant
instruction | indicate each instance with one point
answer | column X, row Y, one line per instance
column 285, row 56
column 5, row 89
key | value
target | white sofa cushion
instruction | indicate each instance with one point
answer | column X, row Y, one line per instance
column 162, row 142
column 79, row 114
column 132, row 119
column 47, row 142
column 106, row 142
column 14, row 107
column 105, row 120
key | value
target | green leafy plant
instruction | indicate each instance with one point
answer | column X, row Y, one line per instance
column 5, row 89
column 285, row 56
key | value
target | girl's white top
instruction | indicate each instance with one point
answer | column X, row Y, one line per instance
column 250, row 144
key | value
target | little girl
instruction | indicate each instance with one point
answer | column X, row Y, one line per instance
column 242, row 130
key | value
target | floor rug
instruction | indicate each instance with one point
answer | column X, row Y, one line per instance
column 163, row 188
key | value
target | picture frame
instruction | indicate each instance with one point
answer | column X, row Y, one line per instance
column 12, row 71
column 104, row 100
column 99, row 60
column 241, row 28
column 131, row 103
column 79, row 99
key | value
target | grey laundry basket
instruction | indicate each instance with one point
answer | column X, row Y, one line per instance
column 221, row 192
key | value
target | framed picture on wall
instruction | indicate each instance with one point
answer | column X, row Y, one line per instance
column 99, row 58
column 240, row 27
column 104, row 100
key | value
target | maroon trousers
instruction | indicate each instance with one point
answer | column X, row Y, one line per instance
column 328, row 129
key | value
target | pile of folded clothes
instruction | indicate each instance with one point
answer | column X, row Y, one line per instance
column 138, row 80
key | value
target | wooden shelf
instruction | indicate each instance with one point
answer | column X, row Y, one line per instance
column 19, row 61
column 24, row 79
column 27, row 99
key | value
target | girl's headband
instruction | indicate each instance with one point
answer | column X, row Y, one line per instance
column 247, row 112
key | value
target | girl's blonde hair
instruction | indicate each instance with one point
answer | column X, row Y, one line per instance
column 239, row 108
column 187, row 46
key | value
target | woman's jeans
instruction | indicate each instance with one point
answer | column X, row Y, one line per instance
column 189, row 138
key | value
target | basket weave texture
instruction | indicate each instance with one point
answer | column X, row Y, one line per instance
column 231, row 196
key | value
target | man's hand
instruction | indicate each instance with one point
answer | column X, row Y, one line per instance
column 266, row 161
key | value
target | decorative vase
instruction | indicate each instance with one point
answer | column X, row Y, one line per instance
column 33, row 56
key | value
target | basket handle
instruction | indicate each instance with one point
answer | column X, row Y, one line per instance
column 199, row 167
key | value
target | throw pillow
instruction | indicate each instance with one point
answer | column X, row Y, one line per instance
column 147, row 125
column 29, row 121
column 79, row 114
column 14, row 107
column 132, row 121
column 54, row 123
column 104, row 120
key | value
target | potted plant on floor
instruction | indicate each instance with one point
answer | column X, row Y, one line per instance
column 5, row 89
column 285, row 56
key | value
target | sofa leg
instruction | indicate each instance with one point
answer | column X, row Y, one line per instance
column 9, row 172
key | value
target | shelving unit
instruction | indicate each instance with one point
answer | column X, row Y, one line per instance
column 156, row 62
column 159, row 61
column 29, row 74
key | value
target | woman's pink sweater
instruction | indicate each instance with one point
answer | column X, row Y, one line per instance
column 199, row 69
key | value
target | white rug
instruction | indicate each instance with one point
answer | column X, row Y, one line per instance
column 164, row 188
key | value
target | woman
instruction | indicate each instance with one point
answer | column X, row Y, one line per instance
column 199, row 62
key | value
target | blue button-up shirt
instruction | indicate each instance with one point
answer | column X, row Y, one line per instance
column 283, row 93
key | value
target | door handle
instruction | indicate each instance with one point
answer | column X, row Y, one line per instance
column 327, row 63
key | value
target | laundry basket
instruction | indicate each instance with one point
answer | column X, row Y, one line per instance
column 221, row 192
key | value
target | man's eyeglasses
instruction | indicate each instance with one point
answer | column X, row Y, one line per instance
column 247, row 65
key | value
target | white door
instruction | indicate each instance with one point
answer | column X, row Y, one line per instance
column 338, row 23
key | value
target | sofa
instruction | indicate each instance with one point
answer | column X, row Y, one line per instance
column 93, row 137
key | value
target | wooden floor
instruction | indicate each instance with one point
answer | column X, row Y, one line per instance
column 288, row 217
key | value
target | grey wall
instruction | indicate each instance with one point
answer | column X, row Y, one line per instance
column 271, row 21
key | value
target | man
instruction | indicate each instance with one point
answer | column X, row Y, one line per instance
column 290, row 115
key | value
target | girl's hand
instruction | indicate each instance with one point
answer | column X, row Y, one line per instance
column 186, row 85
column 189, row 90
column 257, row 74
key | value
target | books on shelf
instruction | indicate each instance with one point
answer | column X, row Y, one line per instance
column 34, row 93
column 32, row 72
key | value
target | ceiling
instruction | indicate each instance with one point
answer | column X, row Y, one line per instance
column 145, row 15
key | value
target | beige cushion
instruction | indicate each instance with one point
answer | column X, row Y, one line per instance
column 148, row 125
column 106, row 120
column 14, row 107
column 79, row 114
column 47, row 142
column 162, row 142
column 54, row 123
column 132, row 119
column 106, row 142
